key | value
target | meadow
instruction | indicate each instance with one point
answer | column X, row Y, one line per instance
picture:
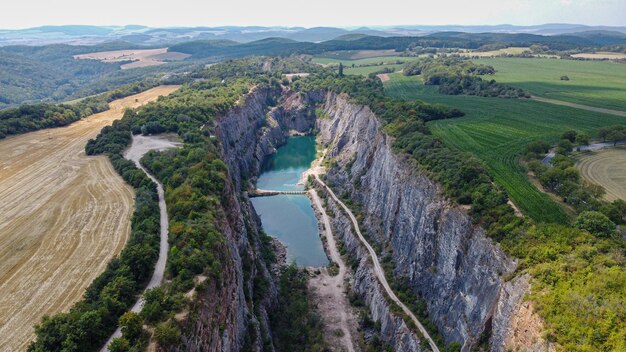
column 389, row 62
column 499, row 52
column 366, row 61
column 497, row 131
column 594, row 83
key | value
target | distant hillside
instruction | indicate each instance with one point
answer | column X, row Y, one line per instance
column 50, row 73
column 282, row 46
column 78, row 35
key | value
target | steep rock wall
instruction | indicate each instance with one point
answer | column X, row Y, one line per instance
column 225, row 317
column 449, row 262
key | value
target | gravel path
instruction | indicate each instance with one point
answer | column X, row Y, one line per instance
column 140, row 146
column 333, row 302
column 378, row 270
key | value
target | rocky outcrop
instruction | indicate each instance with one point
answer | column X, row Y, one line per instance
column 446, row 260
column 225, row 316
column 393, row 329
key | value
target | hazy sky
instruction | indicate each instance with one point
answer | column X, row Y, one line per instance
column 29, row 13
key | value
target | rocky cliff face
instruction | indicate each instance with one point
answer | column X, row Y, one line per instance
column 226, row 317
column 446, row 260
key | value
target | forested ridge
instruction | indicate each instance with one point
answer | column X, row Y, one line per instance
column 50, row 74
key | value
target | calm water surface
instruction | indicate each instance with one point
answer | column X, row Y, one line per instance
column 290, row 218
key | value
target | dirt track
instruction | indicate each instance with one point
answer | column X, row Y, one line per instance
column 140, row 146
column 63, row 216
column 580, row 106
column 330, row 291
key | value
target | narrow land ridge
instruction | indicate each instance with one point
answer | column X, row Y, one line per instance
column 268, row 193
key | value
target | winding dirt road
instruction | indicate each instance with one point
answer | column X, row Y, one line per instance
column 315, row 171
column 140, row 146
column 378, row 270
column 63, row 217
column 331, row 289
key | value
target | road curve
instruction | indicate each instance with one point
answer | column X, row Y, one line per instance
column 140, row 146
column 378, row 270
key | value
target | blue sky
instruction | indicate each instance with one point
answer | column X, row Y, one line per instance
column 29, row 13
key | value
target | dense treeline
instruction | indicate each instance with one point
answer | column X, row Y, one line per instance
column 259, row 66
column 33, row 117
column 456, row 76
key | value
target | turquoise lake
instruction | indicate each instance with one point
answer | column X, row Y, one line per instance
column 290, row 218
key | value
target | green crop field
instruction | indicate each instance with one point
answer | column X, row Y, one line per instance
column 385, row 61
column 595, row 83
column 364, row 71
column 497, row 131
column 368, row 61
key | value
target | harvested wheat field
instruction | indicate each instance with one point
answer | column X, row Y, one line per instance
column 606, row 167
column 601, row 56
column 139, row 57
column 63, row 216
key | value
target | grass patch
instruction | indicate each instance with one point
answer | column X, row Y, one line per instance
column 366, row 66
column 595, row 83
column 367, row 61
column 497, row 131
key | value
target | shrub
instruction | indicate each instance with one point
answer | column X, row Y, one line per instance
column 167, row 333
column 119, row 344
column 131, row 325
column 595, row 223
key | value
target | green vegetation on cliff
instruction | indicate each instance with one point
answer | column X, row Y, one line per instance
column 296, row 325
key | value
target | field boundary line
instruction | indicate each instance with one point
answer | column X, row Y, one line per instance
column 579, row 106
